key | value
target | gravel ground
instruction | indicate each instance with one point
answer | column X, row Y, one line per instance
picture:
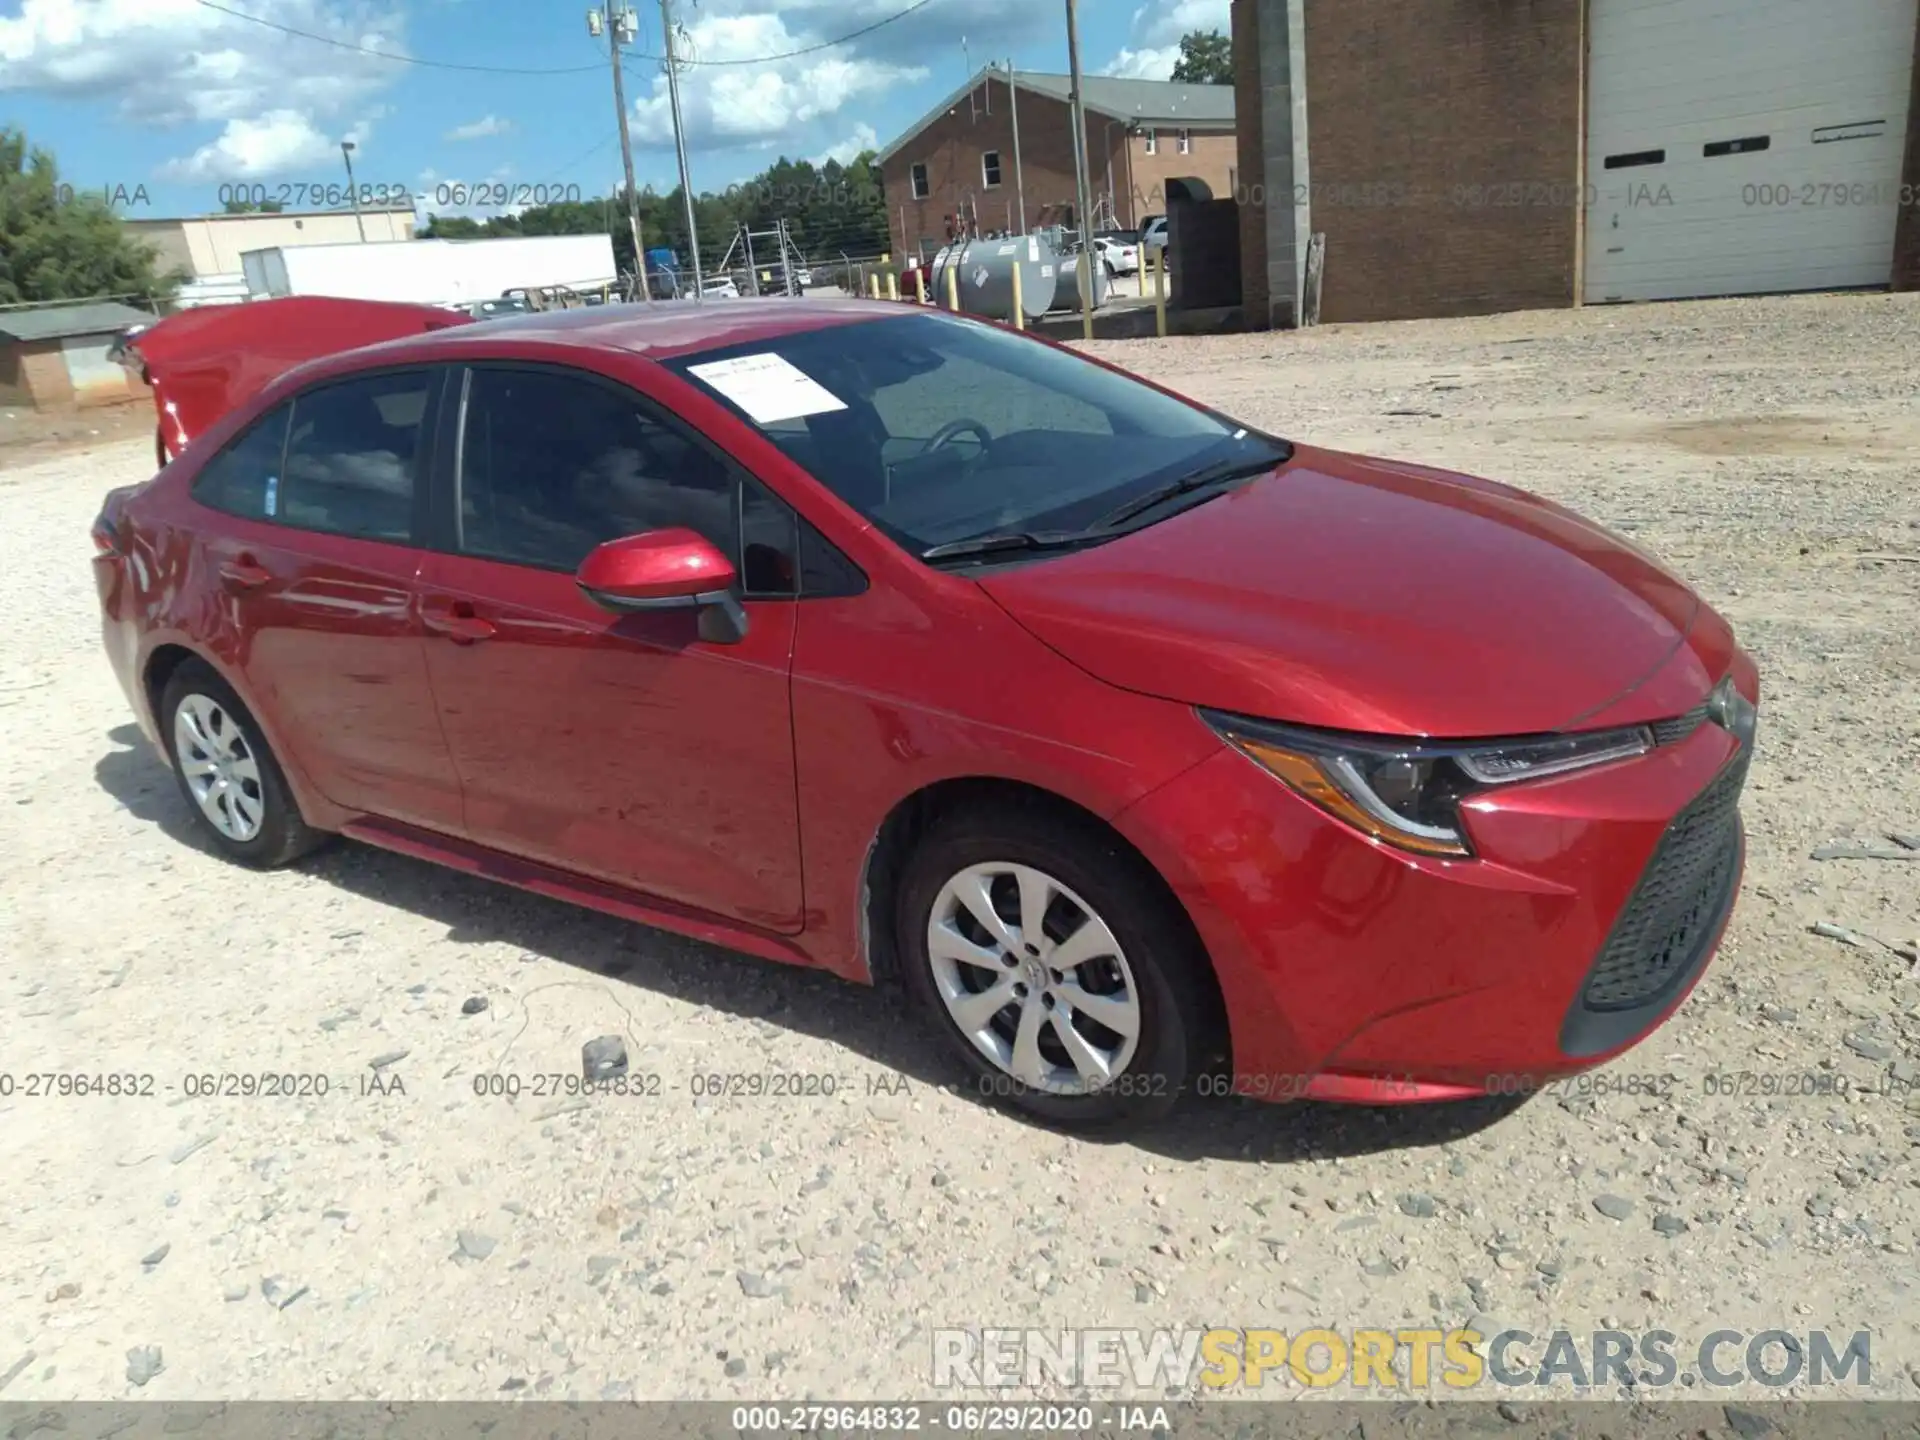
column 404, row 1237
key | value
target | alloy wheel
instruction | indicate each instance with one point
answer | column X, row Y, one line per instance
column 219, row 766
column 1034, row 978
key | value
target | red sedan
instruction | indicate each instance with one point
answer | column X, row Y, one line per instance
column 1152, row 753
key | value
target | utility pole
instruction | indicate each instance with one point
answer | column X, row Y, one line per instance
column 346, row 154
column 1083, row 199
column 680, row 149
column 624, row 25
column 1013, row 105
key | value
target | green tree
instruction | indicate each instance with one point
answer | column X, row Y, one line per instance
column 57, row 243
column 1206, row 58
column 452, row 227
column 254, row 207
column 829, row 209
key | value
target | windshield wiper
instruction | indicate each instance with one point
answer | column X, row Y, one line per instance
column 1005, row 540
column 1216, row 474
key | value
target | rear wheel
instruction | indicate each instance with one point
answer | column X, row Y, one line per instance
column 227, row 774
column 1052, row 966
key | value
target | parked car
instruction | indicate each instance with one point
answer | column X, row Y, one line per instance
column 505, row 305
column 721, row 288
column 1117, row 257
column 1151, row 751
column 1153, row 234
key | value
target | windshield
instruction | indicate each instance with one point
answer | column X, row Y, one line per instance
column 942, row 429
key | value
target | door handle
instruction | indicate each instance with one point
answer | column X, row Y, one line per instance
column 457, row 622
column 243, row 572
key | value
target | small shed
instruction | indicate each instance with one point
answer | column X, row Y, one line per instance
column 55, row 357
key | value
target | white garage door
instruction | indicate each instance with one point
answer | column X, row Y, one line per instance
column 1739, row 147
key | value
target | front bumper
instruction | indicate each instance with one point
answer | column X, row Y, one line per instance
column 1355, row 972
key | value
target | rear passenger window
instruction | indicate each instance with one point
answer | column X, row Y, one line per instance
column 351, row 458
column 239, row 478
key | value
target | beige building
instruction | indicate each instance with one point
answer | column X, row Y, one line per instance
column 211, row 245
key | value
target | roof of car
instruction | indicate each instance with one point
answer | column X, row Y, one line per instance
column 667, row 328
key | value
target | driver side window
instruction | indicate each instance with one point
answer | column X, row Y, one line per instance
column 552, row 465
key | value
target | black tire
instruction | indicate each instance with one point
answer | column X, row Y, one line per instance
column 1177, row 1017
column 283, row 834
column 160, row 447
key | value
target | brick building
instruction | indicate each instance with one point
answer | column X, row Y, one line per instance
column 1471, row 156
column 1146, row 140
column 56, row 357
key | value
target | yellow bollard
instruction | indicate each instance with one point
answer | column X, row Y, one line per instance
column 873, row 287
column 1159, row 293
column 1019, row 311
column 953, row 286
column 893, row 286
column 919, row 285
column 1083, row 267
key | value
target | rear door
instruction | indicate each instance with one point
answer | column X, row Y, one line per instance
column 318, row 557
column 623, row 747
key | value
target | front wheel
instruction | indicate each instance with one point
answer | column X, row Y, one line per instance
column 1053, row 967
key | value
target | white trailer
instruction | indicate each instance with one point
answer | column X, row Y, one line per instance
column 431, row 272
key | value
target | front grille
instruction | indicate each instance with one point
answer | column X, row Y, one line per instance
column 1672, row 732
column 1678, row 902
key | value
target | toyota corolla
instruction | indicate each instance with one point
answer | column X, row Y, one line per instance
column 1149, row 752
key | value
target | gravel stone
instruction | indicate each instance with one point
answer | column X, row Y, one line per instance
column 143, row 1363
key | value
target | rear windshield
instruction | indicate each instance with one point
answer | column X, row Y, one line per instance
column 939, row 428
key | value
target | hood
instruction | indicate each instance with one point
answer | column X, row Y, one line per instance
column 203, row 363
column 1366, row 595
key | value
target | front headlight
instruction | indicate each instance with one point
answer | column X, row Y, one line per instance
column 1733, row 712
column 1407, row 792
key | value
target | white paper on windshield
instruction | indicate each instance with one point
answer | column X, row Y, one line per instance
column 768, row 387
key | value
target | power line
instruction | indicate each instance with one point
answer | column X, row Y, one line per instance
column 864, row 30
column 563, row 70
column 387, row 54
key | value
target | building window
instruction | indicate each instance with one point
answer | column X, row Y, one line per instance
column 1153, row 141
column 990, row 169
column 1186, row 143
column 918, row 176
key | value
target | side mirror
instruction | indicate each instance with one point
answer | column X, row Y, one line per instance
column 674, row 569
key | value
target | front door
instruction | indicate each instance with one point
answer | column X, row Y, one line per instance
column 624, row 747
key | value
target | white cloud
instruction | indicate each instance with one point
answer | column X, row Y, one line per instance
column 279, row 102
column 475, row 196
column 726, row 105
column 774, row 106
column 1155, row 36
column 275, row 143
column 480, row 129
column 1154, row 63
column 863, row 138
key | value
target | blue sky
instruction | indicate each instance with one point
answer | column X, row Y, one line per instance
column 181, row 98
